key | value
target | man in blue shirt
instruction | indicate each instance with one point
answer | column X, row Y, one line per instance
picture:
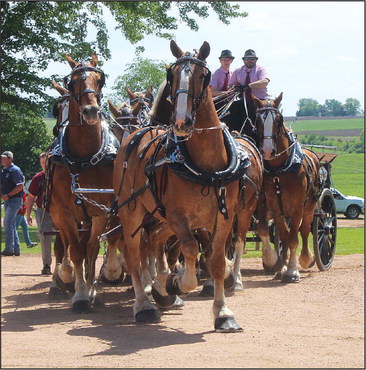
column 12, row 185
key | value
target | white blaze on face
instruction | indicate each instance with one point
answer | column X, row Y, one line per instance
column 65, row 111
column 267, row 136
column 181, row 108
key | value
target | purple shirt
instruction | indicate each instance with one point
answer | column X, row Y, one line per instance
column 218, row 79
column 256, row 73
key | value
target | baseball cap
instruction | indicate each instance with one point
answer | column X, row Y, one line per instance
column 7, row 154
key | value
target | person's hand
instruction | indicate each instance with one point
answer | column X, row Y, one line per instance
column 241, row 88
column 5, row 197
column 30, row 220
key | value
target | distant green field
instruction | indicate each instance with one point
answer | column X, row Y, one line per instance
column 348, row 173
column 322, row 125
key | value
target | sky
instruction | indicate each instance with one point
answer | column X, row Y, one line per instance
column 309, row 49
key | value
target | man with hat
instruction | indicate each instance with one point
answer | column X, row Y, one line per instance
column 252, row 79
column 221, row 77
column 251, row 76
column 12, row 185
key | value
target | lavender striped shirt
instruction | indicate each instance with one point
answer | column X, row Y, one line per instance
column 218, row 79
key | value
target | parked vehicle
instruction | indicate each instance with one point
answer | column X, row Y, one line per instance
column 351, row 206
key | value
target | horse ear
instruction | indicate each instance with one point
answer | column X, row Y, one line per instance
column 258, row 102
column 204, row 51
column 175, row 49
column 59, row 88
column 148, row 91
column 71, row 62
column 130, row 93
column 94, row 60
column 113, row 109
column 277, row 101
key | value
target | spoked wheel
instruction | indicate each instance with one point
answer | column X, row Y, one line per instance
column 324, row 229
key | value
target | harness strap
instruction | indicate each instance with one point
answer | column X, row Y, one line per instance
column 276, row 181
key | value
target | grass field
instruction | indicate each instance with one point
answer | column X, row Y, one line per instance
column 349, row 241
column 321, row 125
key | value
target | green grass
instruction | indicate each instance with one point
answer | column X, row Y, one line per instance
column 322, row 125
column 348, row 173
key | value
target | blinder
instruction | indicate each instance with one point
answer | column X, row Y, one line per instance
column 70, row 84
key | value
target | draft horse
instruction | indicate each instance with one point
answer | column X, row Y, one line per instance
column 188, row 177
column 82, row 156
column 290, row 191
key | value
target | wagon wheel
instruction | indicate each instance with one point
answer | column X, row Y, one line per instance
column 324, row 229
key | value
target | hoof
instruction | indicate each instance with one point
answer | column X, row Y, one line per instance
column 147, row 316
column 291, row 279
column 312, row 263
column 118, row 281
column 70, row 287
column 172, row 287
column 178, row 303
column 163, row 301
column 268, row 270
column 227, row 325
column 56, row 293
column 127, row 280
column 229, row 282
column 207, row 291
column 82, row 307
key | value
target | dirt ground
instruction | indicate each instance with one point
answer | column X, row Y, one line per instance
column 317, row 323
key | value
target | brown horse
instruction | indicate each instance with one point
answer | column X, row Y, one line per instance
column 82, row 157
column 290, row 188
column 199, row 142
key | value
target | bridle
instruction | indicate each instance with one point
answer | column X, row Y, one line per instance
column 69, row 83
column 187, row 60
column 270, row 113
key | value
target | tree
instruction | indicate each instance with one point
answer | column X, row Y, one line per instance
column 139, row 75
column 332, row 107
column 308, row 107
column 352, row 107
column 35, row 33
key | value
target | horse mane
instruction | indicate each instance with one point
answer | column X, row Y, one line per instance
column 153, row 110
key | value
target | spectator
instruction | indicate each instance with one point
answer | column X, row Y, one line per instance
column 21, row 221
column 43, row 218
column 12, row 185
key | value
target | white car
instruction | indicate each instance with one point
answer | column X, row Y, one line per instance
column 349, row 205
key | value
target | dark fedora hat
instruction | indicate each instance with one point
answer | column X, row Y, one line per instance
column 250, row 54
column 226, row 54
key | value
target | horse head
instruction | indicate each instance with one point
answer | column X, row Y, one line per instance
column 141, row 103
column 269, row 124
column 188, row 78
column 85, row 84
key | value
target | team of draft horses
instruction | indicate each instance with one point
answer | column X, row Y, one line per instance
column 183, row 187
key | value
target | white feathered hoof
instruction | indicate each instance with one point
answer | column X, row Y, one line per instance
column 227, row 325
column 149, row 315
column 115, row 282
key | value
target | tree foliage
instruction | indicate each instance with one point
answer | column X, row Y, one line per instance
column 138, row 76
column 35, row 33
column 331, row 107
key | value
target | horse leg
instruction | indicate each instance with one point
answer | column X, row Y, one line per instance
column 291, row 275
column 143, row 309
column 56, row 292
column 224, row 320
column 306, row 258
column 146, row 278
column 182, row 283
